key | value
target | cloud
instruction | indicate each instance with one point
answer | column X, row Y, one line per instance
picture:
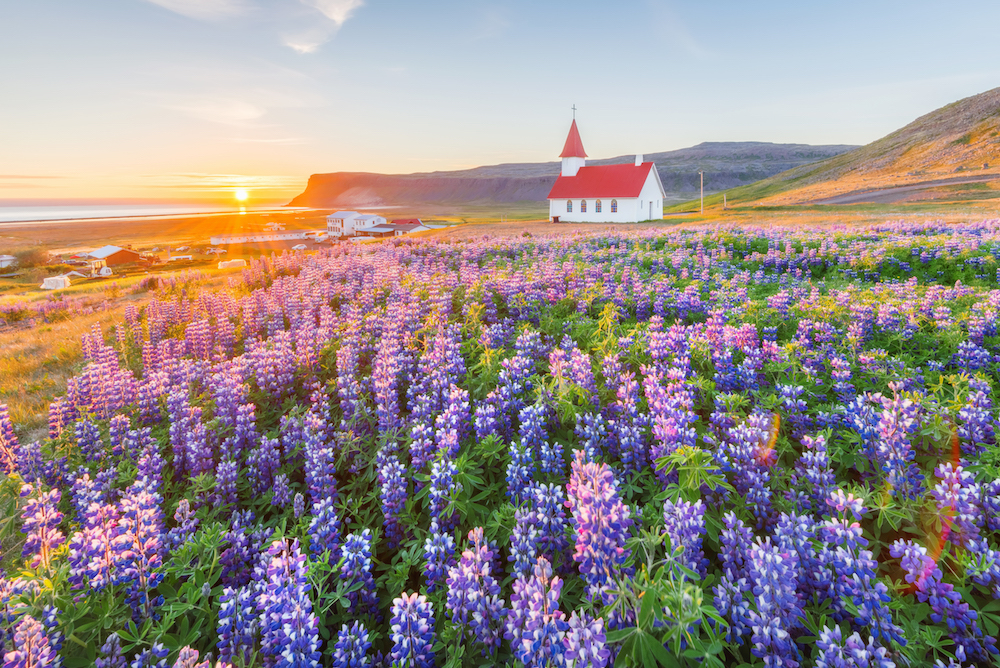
column 197, row 181
column 278, row 140
column 227, row 111
column 29, row 176
column 312, row 34
column 669, row 24
column 337, row 11
column 204, row 10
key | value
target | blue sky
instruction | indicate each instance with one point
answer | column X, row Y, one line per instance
column 191, row 98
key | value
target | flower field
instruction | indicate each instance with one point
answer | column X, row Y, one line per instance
column 712, row 446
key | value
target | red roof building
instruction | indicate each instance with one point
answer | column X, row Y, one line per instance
column 624, row 193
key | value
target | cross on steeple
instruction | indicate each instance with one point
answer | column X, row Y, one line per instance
column 574, row 111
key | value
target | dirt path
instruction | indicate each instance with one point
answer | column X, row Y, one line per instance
column 890, row 195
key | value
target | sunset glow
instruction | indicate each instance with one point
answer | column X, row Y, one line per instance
column 241, row 195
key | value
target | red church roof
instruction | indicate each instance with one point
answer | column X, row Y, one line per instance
column 574, row 145
column 602, row 181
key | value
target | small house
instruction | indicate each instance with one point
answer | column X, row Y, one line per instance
column 7, row 261
column 115, row 255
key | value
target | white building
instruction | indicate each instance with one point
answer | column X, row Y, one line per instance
column 626, row 193
column 259, row 237
column 7, row 261
column 347, row 223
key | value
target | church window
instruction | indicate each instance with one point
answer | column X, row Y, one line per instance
column 569, row 206
column 597, row 206
column 583, row 206
column 614, row 206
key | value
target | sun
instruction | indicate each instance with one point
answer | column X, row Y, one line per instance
column 241, row 195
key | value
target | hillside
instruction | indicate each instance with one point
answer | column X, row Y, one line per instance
column 956, row 144
column 726, row 165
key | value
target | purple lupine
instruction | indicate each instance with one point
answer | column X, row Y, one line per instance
column 324, row 530
column 31, row 647
column 281, row 493
column 923, row 573
column 92, row 553
column 393, row 492
column 356, row 553
column 684, row 524
column 591, row 432
column 974, row 420
column 853, row 569
column 138, row 541
column 813, row 475
column 894, row 451
column 111, row 654
column 385, row 377
column 226, row 475
column 520, row 471
column 88, row 439
column 601, row 522
column 237, row 625
column 412, row 631
column 240, row 550
column 535, row 624
column 263, row 463
column 474, row 594
column 443, row 491
column 776, row 612
column 187, row 524
column 352, row 646
column 957, row 496
column 539, row 529
column 439, row 556
column 671, row 408
column 118, row 428
column 41, row 525
column 290, row 633
column 585, row 642
column 319, row 460
column 298, row 505
column 835, row 652
column 453, row 423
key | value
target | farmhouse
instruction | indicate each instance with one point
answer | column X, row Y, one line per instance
column 625, row 193
column 347, row 223
column 114, row 255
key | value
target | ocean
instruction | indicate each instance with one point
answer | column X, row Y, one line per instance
column 10, row 214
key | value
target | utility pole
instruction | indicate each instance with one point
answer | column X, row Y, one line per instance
column 701, row 172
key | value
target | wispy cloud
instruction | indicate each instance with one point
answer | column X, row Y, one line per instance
column 227, row 111
column 279, row 140
column 198, row 181
column 337, row 11
column 313, row 34
column 204, row 10
column 30, row 176
column 492, row 22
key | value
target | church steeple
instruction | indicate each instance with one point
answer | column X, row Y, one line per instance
column 573, row 156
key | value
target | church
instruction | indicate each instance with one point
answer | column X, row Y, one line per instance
column 626, row 193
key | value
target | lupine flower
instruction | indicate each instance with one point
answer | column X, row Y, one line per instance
column 324, row 530
column 31, row 648
column 351, row 649
column 474, row 594
column 776, row 613
column 41, row 525
column 535, row 625
column 957, row 496
column 584, row 642
column 393, row 492
column 443, row 490
column 290, row 631
column 8, row 442
column 111, row 654
column 357, row 555
column 237, row 625
column 439, row 556
column 835, row 652
column 412, row 631
column 685, row 526
column 601, row 522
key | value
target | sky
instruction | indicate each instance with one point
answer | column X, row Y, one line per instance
column 193, row 99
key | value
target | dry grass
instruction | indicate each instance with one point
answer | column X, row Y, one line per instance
column 37, row 362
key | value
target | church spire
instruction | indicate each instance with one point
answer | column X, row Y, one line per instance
column 574, row 145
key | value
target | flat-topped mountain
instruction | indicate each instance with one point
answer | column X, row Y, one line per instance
column 726, row 165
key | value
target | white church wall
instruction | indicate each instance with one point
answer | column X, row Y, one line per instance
column 628, row 210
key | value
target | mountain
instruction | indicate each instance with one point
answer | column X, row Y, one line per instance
column 726, row 165
column 958, row 143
